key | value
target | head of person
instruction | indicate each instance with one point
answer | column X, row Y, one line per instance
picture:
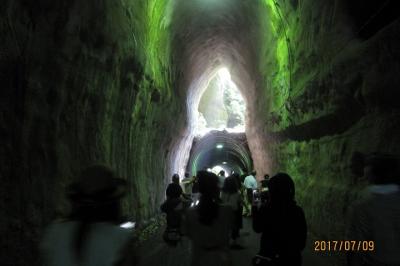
column 266, row 177
column 209, row 200
column 230, row 185
column 281, row 189
column 175, row 179
column 187, row 175
column 254, row 173
column 381, row 168
column 237, row 177
column 95, row 195
column 221, row 173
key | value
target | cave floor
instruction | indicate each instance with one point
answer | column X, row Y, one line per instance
column 154, row 252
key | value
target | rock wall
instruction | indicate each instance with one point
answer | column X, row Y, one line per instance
column 327, row 94
column 82, row 82
column 99, row 81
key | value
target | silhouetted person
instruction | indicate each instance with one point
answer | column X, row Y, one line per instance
column 264, row 194
column 174, row 187
column 264, row 182
column 250, row 182
column 242, row 193
column 208, row 225
column 173, row 207
column 282, row 224
column 376, row 217
column 91, row 235
column 231, row 196
column 221, row 179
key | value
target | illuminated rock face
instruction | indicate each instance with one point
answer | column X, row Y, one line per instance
column 330, row 92
column 119, row 82
column 81, row 82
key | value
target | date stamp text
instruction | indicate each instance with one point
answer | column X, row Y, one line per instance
column 344, row 245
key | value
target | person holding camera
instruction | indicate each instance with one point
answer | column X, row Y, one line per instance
column 173, row 207
column 282, row 224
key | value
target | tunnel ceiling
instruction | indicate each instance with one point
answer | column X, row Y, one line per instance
column 211, row 34
column 208, row 35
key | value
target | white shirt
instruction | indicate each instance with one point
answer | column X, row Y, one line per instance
column 250, row 182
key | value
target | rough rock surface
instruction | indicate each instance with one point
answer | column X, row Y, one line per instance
column 116, row 81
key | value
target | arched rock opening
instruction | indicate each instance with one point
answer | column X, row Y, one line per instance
column 116, row 82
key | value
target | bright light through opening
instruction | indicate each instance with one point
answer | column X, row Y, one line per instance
column 224, row 74
column 218, row 168
column 221, row 107
column 219, row 146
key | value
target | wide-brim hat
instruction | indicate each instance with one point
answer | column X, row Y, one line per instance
column 96, row 184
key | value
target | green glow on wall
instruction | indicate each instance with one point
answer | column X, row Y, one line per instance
column 282, row 54
column 277, row 47
column 152, row 37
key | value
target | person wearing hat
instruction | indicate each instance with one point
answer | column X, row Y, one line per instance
column 92, row 234
column 374, row 219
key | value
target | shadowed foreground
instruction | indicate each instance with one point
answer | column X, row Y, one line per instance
column 155, row 252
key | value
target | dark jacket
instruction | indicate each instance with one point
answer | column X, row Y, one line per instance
column 284, row 232
column 174, row 190
column 173, row 208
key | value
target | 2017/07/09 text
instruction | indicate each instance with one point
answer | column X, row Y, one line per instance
column 344, row 245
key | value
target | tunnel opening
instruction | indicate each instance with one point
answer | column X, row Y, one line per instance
column 219, row 139
column 221, row 106
column 204, row 43
column 220, row 150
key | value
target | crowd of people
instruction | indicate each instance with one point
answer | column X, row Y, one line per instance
column 208, row 210
column 213, row 221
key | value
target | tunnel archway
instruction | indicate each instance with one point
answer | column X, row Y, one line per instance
column 118, row 82
column 206, row 37
column 223, row 149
